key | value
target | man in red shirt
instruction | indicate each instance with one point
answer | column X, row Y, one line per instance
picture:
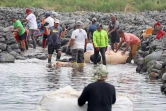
column 131, row 41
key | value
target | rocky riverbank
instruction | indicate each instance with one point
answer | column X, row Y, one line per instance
column 151, row 56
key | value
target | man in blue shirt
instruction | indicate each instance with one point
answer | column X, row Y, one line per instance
column 92, row 28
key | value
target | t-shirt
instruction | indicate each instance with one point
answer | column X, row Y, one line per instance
column 131, row 38
column 54, row 37
column 112, row 26
column 49, row 20
column 92, row 28
column 160, row 34
column 79, row 35
column 32, row 21
column 100, row 96
column 157, row 24
column 18, row 24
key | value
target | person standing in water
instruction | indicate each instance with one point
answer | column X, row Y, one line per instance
column 112, row 32
column 100, row 41
column 77, row 43
column 99, row 95
column 54, row 40
column 131, row 41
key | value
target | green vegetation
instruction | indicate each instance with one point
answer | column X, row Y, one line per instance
column 88, row 5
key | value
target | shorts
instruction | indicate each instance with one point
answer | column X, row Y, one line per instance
column 77, row 55
column 52, row 48
column 22, row 37
column 114, row 38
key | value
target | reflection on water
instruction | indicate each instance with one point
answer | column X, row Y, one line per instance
column 24, row 83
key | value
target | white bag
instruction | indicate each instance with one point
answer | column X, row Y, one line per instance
column 65, row 99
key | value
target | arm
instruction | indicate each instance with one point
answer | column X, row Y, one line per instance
column 119, row 46
column 63, row 33
column 89, row 35
column 71, row 42
column 24, row 20
column 83, row 98
column 94, row 40
column 47, row 31
column 16, row 29
column 127, row 47
column 112, row 30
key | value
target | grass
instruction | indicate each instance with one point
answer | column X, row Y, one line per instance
column 88, row 5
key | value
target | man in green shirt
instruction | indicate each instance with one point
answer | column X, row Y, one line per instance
column 18, row 27
column 100, row 41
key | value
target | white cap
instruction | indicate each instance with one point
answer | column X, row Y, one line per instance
column 101, row 72
column 78, row 23
column 94, row 19
column 56, row 21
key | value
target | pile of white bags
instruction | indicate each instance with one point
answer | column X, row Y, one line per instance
column 65, row 99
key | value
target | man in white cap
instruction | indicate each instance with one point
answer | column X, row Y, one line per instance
column 77, row 43
column 99, row 95
column 92, row 28
column 54, row 40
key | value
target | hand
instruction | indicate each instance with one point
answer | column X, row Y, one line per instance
column 11, row 29
column 105, row 48
column 97, row 48
column 115, row 51
column 123, row 53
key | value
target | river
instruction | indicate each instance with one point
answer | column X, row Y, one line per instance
column 23, row 83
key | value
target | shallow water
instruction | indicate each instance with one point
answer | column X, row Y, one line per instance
column 23, row 83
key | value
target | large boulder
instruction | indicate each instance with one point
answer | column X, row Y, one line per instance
column 6, row 58
column 3, row 46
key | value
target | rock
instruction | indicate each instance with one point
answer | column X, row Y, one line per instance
column 9, row 49
column 153, row 75
column 9, row 35
column 15, row 54
column 17, row 50
column 6, row 58
column 3, row 46
column 42, row 57
column 149, row 64
column 163, row 87
column 20, row 57
column 11, row 41
column 2, row 39
column 164, row 77
column 14, row 46
column 158, row 66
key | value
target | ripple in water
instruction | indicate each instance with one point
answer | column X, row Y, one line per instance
column 24, row 83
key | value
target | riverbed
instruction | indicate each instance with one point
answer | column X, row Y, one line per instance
column 23, row 83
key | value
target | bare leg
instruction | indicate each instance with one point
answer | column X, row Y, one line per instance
column 116, row 45
column 112, row 46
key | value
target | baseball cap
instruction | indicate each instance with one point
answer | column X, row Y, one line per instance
column 28, row 10
column 101, row 72
column 56, row 21
column 78, row 23
column 99, row 26
column 47, row 14
column 94, row 19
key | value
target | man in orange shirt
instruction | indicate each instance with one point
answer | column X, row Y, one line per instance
column 131, row 41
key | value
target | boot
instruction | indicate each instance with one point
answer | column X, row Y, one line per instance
column 129, row 59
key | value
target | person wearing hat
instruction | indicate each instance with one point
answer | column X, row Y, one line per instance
column 112, row 32
column 100, row 41
column 18, row 27
column 48, row 22
column 99, row 95
column 31, row 19
column 77, row 43
column 54, row 34
column 92, row 28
